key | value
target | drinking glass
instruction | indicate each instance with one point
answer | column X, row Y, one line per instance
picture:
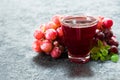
column 78, row 33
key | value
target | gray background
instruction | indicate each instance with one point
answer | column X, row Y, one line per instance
column 19, row 19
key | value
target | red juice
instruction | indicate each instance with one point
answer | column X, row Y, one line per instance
column 78, row 35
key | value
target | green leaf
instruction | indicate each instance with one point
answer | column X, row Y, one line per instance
column 102, row 58
column 99, row 54
column 94, row 57
column 100, row 43
column 107, row 47
column 101, row 50
column 94, row 50
column 104, row 52
column 114, row 58
column 108, row 57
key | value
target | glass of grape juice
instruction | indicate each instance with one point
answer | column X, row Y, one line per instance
column 78, row 33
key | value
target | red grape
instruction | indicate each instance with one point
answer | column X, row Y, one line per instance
column 100, row 35
column 108, row 33
column 113, row 41
column 43, row 27
column 46, row 46
column 38, row 34
column 56, row 52
column 113, row 49
column 107, row 23
column 56, row 19
column 51, row 25
column 60, row 36
column 60, row 32
column 36, row 46
column 51, row 34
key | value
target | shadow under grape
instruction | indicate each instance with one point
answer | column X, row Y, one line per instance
column 72, row 70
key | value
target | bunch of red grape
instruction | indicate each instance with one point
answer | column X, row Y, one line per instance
column 48, row 38
column 104, row 34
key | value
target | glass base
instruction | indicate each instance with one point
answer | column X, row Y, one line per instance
column 79, row 59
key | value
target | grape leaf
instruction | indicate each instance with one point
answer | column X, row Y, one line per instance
column 104, row 52
column 100, row 43
column 102, row 58
column 101, row 52
column 108, row 57
column 96, row 57
column 107, row 47
column 95, row 50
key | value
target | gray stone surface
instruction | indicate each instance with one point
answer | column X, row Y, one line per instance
column 19, row 19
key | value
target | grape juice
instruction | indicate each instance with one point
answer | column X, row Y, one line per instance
column 78, row 35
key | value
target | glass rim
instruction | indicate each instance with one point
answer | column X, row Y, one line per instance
column 63, row 21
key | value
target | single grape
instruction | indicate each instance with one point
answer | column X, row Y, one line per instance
column 107, row 23
column 113, row 41
column 100, row 35
column 38, row 34
column 36, row 46
column 51, row 25
column 108, row 34
column 46, row 46
column 60, row 32
column 56, row 52
column 114, row 58
column 60, row 36
column 51, row 34
column 43, row 27
column 113, row 49
column 56, row 19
